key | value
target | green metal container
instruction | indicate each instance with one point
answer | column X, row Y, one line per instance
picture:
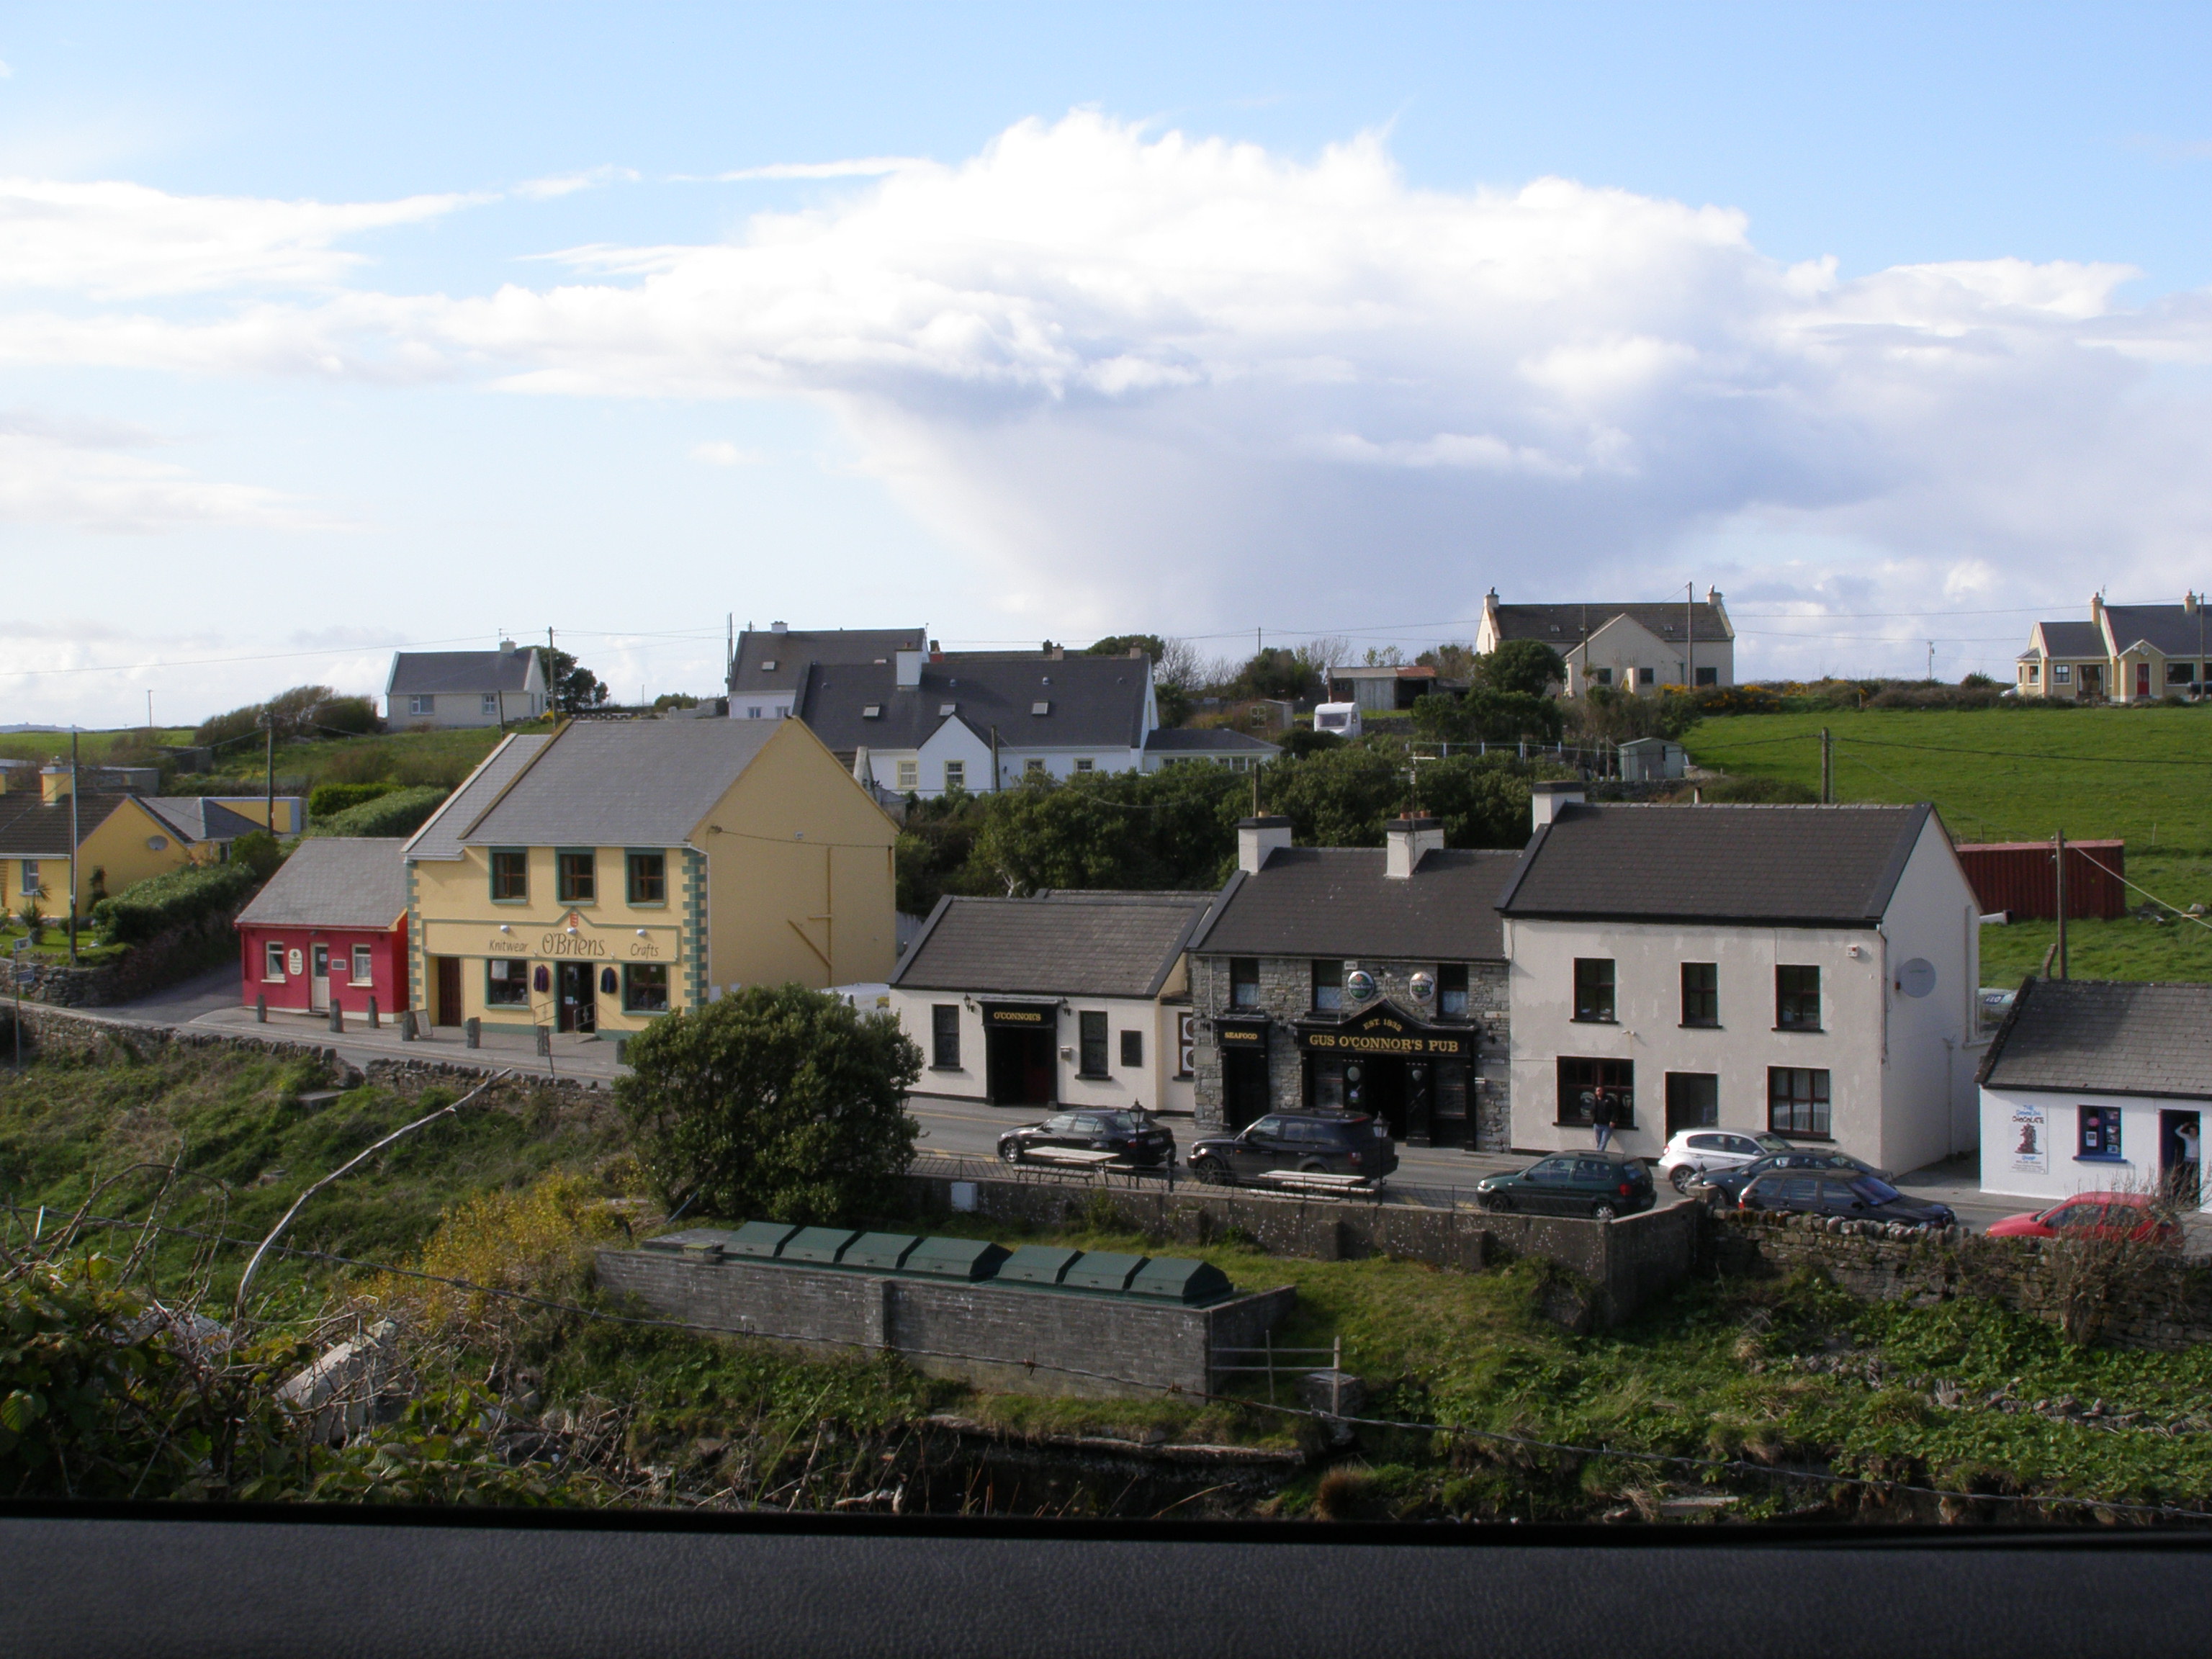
column 1037, row 1264
column 1178, row 1279
column 1103, row 1270
column 759, row 1238
column 882, row 1253
column 956, row 1258
column 819, row 1247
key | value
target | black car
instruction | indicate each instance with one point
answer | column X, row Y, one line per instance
column 1840, row 1193
column 1583, row 1183
column 1310, row 1142
column 1132, row 1137
column 1726, row 1185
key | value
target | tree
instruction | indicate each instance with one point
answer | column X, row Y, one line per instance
column 776, row 1103
column 1276, row 673
column 574, row 686
column 1120, row 645
column 1481, row 715
column 1612, row 715
column 1451, row 661
column 1528, row 666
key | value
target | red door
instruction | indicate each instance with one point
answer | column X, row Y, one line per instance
column 2142, row 679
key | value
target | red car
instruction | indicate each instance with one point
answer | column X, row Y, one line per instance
column 2101, row 1215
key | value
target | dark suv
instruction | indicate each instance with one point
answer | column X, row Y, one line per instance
column 1131, row 1136
column 1310, row 1142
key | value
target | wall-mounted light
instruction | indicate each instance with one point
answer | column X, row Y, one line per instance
column 505, row 928
column 571, row 930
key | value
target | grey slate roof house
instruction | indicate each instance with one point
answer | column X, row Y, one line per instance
column 335, row 881
column 768, row 664
column 2123, row 654
column 1637, row 646
column 1364, row 979
column 1065, row 998
column 2094, row 1085
column 466, row 688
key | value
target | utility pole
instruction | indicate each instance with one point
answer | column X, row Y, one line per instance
column 2061, row 905
column 149, row 711
column 77, row 846
column 1931, row 659
column 552, row 676
column 1827, row 769
column 1690, row 637
column 269, row 811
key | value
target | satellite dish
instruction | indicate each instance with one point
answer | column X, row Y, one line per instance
column 1917, row 978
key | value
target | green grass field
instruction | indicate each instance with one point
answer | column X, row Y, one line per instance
column 2140, row 776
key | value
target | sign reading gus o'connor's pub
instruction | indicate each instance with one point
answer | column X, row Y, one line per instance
column 1384, row 1031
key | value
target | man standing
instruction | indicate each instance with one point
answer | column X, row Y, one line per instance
column 1603, row 1115
column 2186, row 1173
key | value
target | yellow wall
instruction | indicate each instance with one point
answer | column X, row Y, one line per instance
column 117, row 847
column 289, row 811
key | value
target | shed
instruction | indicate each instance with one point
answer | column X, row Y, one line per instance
column 2022, row 877
column 1652, row 760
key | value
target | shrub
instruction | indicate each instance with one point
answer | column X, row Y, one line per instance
column 535, row 1241
column 1737, row 791
column 347, row 716
column 181, row 898
column 328, row 800
column 401, row 812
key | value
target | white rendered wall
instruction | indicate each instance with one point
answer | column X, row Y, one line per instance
column 2064, row 1174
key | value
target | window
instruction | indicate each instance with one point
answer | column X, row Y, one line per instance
column 1093, row 1063
column 1034, row 765
column 1701, row 994
column 768, row 665
column 1797, row 1100
column 507, row 983
column 32, row 887
column 1085, row 763
column 1133, row 1048
column 2099, row 1133
column 1580, row 1082
column 944, row 1037
column 649, row 878
column 2032, row 673
column 1647, row 675
column 364, row 960
column 645, row 987
column 1796, row 998
column 1601, row 676
column 909, row 774
column 873, row 711
column 272, row 960
column 1244, row 982
column 1040, row 707
column 2180, row 673
column 2062, row 673
column 956, row 774
column 1327, row 987
column 510, row 876
column 575, row 878
column 421, row 705
column 1709, row 677
column 1451, row 990
column 752, row 712
column 1594, row 989
column 490, row 705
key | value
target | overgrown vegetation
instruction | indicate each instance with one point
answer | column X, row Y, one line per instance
column 394, row 812
column 182, row 898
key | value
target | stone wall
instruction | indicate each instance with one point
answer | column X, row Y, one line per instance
column 166, row 959
column 2164, row 1303
column 1624, row 1263
column 996, row 1336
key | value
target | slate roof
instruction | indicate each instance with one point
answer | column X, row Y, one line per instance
column 2169, row 628
column 1214, row 740
column 1089, row 701
column 1062, row 944
column 440, row 837
column 197, row 817
column 2073, row 639
column 335, row 881
column 31, row 830
column 2100, row 1037
column 1787, row 866
column 791, row 651
column 1561, row 626
column 1337, row 901
column 418, row 673
column 637, row 783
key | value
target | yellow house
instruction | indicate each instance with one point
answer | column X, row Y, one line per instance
column 595, row 878
column 120, row 839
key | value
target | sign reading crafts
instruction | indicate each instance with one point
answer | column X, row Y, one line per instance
column 612, row 872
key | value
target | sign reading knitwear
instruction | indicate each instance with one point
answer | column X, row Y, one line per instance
column 1021, row 1015
column 1241, row 1033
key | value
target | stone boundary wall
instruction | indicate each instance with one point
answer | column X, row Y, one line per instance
column 996, row 1336
column 166, row 959
column 1625, row 1263
column 2166, row 1305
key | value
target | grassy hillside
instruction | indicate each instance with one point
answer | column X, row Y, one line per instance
column 2141, row 776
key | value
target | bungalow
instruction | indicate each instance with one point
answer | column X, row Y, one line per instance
column 330, row 926
column 448, row 689
column 1638, row 648
column 119, row 840
column 1238, row 751
column 598, row 877
column 2123, row 654
column 1810, row 971
column 2093, row 1085
column 1062, row 999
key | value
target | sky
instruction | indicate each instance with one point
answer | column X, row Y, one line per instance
column 327, row 332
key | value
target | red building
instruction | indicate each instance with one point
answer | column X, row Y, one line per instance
column 330, row 926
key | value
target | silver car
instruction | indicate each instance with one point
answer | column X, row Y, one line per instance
column 1693, row 1152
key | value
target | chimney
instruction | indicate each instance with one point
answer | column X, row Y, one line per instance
column 1406, row 841
column 507, row 647
column 2189, row 604
column 2096, row 607
column 779, row 627
column 1545, row 800
column 53, row 785
column 910, row 668
column 1258, row 837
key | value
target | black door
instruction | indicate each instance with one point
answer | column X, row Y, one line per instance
column 577, row 1006
column 1017, row 1067
column 1377, row 1087
column 1243, row 1087
column 1693, row 1101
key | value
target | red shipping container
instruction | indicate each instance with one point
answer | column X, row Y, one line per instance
column 2022, row 877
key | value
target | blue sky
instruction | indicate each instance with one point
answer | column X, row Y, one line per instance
column 331, row 329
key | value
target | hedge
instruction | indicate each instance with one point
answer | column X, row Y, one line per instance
column 401, row 812
column 328, row 800
column 178, row 899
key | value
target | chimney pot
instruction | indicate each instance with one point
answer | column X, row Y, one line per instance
column 779, row 627
column 1258, row 837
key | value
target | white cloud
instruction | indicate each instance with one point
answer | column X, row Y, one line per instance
column 1157, row 378
column 863, row 167
column 93, row 475
column 568, row 184
column 722, row 453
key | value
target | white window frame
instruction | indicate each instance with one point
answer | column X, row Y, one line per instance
column 272, row 962
column 490, row 704
column 362, row 965
column 33, row 887
column 956, row 775
column 1085, row 763
column 424, row 704
column 1034, row 763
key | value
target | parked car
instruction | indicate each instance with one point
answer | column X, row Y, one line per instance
column 1584, row 1183
column 2132, row 1216
column 1840, row 1193
column 1315, row 1143
column 1133, row 1137
column 1693, row 1152
column 1726, row 1185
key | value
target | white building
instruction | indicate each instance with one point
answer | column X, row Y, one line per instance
column 768, row 664
column 466, row 688
column 1637, row 647
column 1807, row 970
column 2089, row 1083
column 1065, row 999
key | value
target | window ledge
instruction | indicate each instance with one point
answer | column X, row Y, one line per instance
column 948, row 1071
column 2100, row 1158
column 511, row 900
column 1699, row 1026
column 1803, row 1134
column 648, row 904
column 1803, row 1031
column 1595, row 1019
column 1094, row 1077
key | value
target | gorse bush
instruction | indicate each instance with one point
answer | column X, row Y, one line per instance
column 328, row 800
column 536, row 1241
column 181, row 898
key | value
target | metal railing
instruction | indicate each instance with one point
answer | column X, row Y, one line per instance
column 959, row 1166
column 1294, row 1360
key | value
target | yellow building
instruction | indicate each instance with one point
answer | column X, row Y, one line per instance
column 597, row 878
column 120, row 839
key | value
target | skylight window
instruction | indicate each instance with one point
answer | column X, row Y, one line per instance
column 1040, row 709
column 873, row 711
column 768, row 665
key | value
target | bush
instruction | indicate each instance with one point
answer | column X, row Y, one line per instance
column 1719, row 792
column 778, row 1103
column 401, row 812
column 328, row 800
column 180, row 899
column 348, row 717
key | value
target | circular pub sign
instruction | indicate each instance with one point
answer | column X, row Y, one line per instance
column 1423, row 985
column 293, row 962
column 1359, row 985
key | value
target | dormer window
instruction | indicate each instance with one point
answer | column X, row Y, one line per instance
column 873, row 711
column 768, row 665
column 1040, row 709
